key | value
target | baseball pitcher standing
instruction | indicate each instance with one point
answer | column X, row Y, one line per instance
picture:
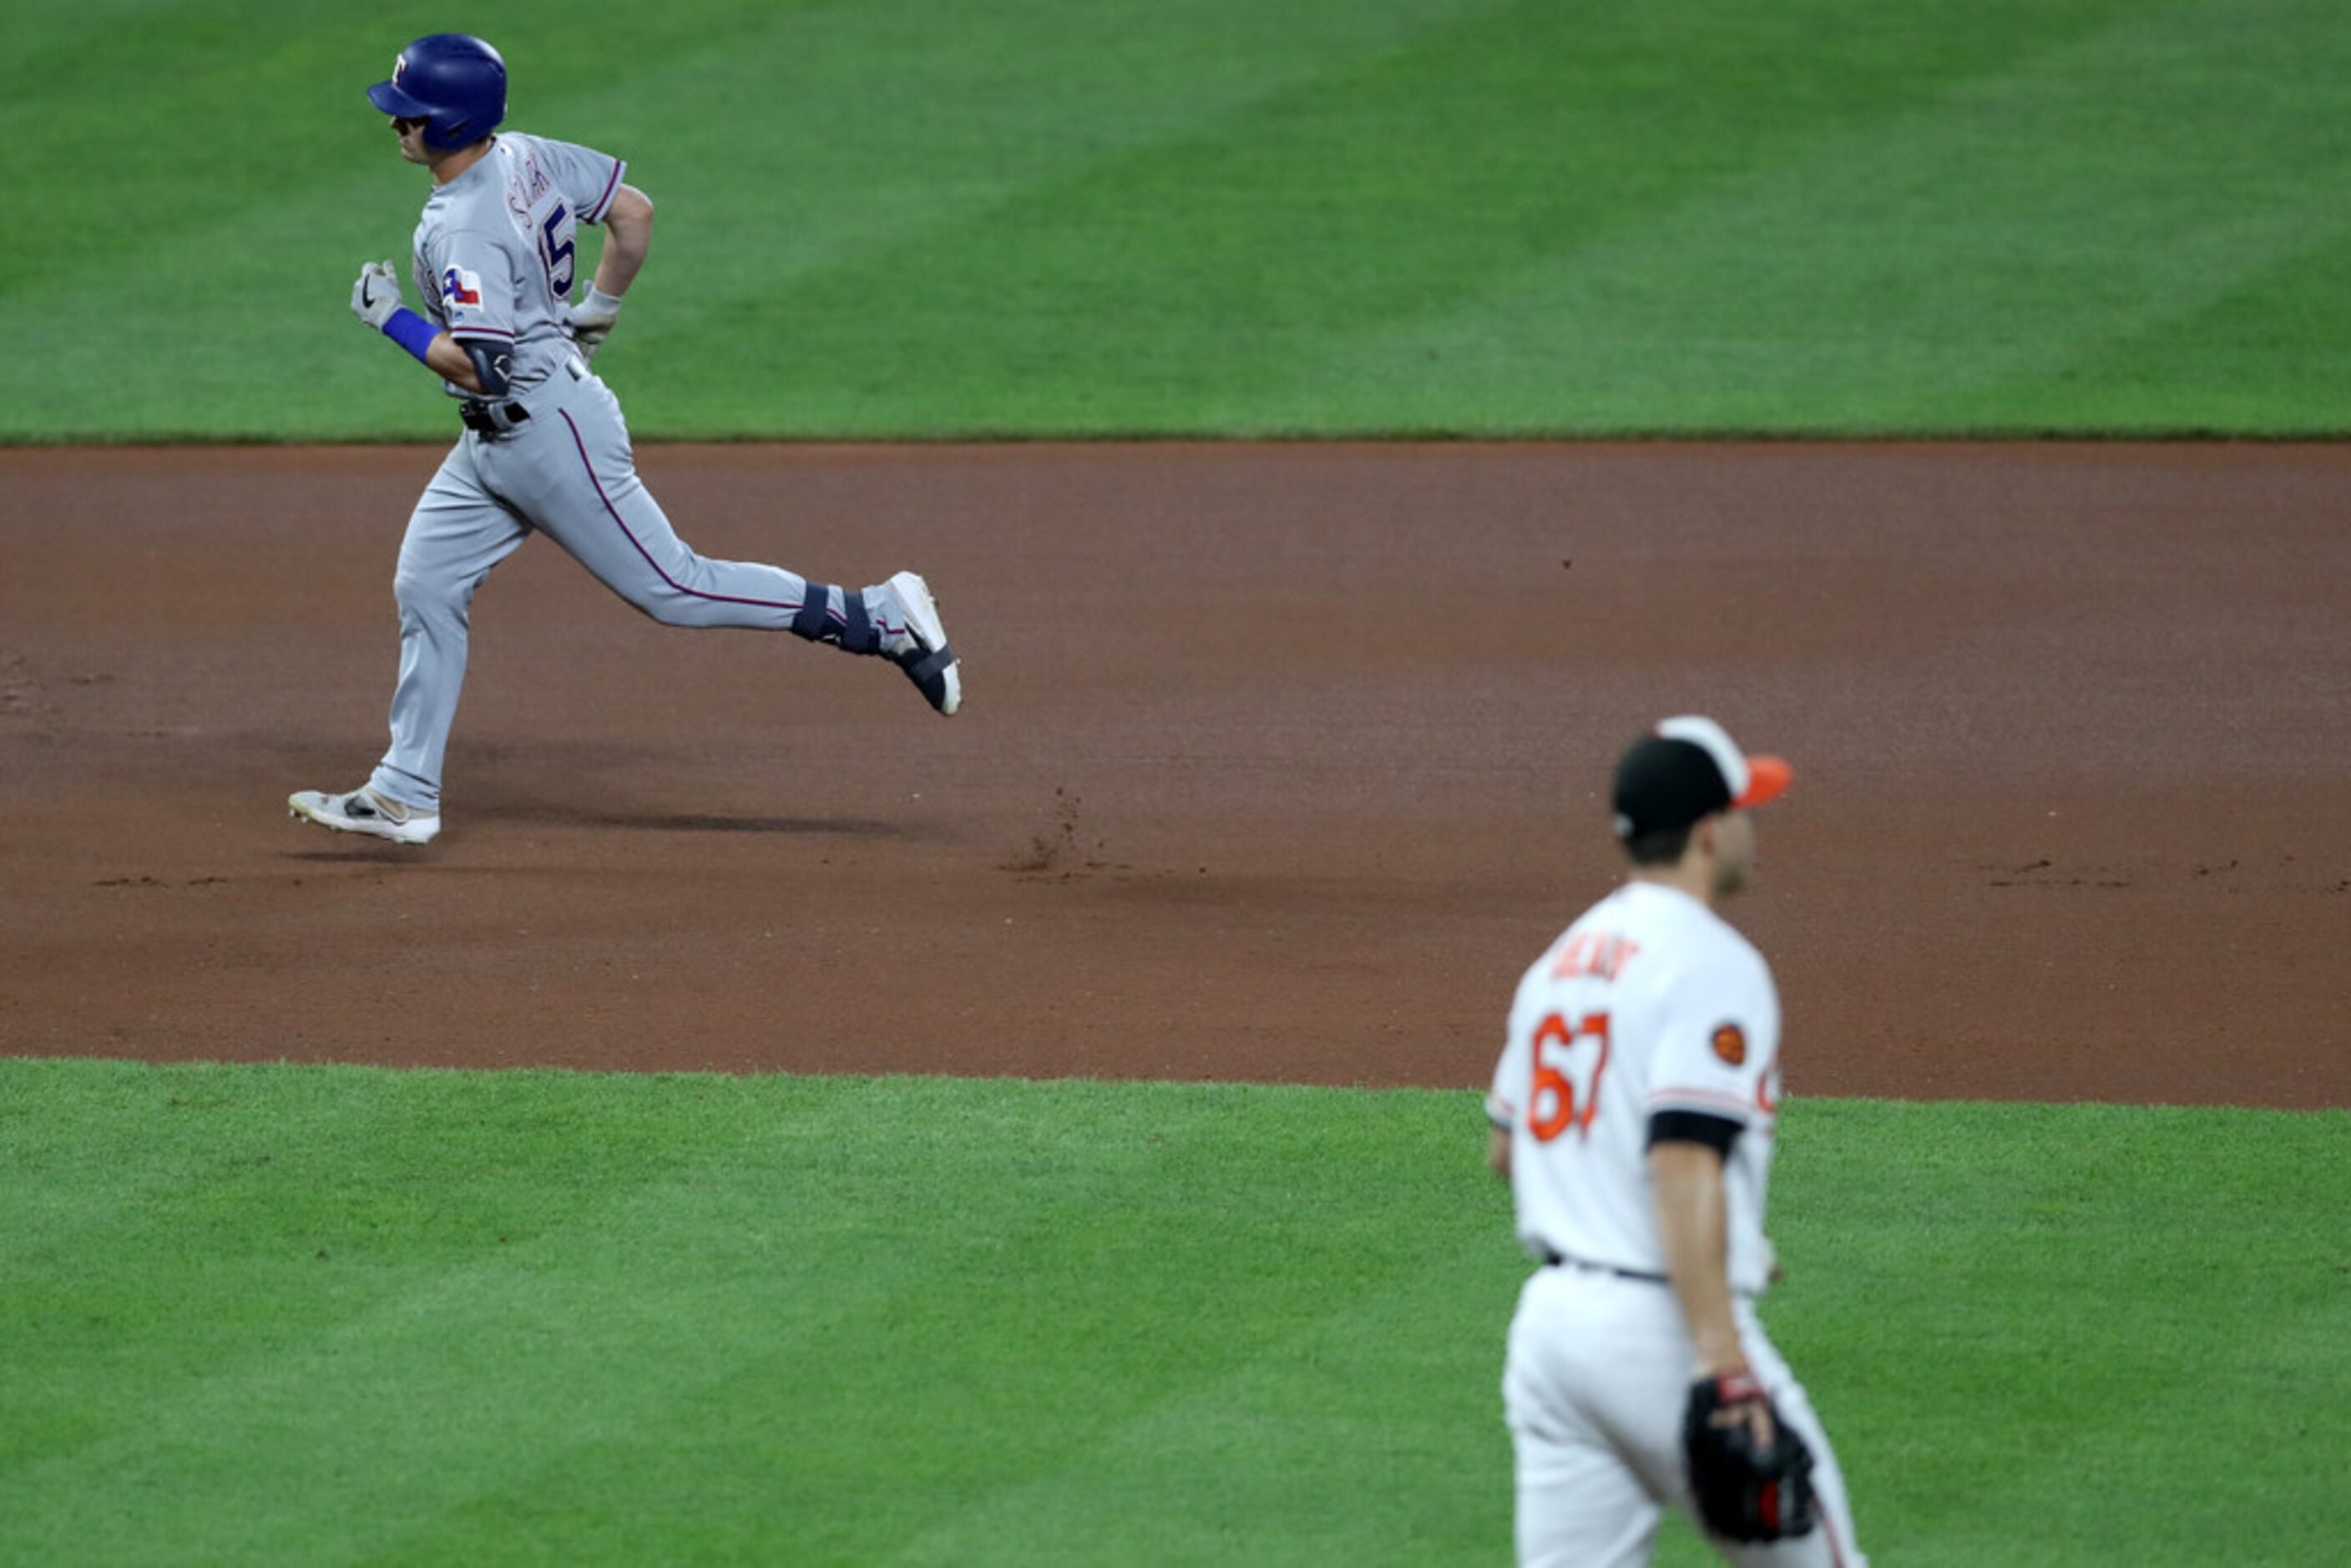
column 544, row 446
column 1633, row 1115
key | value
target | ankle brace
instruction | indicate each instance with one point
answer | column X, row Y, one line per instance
column 855, row 634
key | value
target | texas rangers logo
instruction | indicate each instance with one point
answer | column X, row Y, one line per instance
column 459, row 287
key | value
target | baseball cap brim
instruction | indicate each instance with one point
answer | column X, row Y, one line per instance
column 388, row 97
column 1768, row 778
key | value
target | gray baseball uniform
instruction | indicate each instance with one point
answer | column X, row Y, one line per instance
column 495, row 262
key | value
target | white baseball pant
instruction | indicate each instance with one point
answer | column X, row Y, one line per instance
column 1598, row 1370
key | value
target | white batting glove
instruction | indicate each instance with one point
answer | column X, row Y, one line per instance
column 376, row 294
column 592, row 321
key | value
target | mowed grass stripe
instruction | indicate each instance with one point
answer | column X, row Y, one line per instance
column 2226, row 340
column 1244, row 279
column 2057, row 1298
column 867, row 222
column 826, row 1268
column 1962, row 261
column 780, row 142
column 204, row 188
column 1212, row 217
column 147, row 126
column 918, row 1321
column 195, row 188
column 1392, row 1458
column 1022, row 1333
column 276, row 1231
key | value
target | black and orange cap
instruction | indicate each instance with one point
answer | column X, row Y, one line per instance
column 1686, row 768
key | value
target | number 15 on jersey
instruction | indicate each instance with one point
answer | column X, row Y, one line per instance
column 555, row 251
column 1569, row 1058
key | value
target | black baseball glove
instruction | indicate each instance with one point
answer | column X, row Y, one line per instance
column 1749, row 1487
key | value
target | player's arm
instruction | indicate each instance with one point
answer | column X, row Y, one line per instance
column 1713, row 1048
column 1686, row 1172
column 1502, row 1107
column 477, row 366
column 627, row 237
column 462, row 364
column 1686, row 1159
column 628, row 223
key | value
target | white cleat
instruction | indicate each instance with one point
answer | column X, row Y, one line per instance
column 365, row 811
column 931, row 664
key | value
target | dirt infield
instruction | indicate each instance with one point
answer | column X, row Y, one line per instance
column 1276, row 763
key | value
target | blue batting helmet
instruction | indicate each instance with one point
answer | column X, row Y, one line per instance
column 456, row 84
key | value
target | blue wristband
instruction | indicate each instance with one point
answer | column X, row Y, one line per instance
column 411, row 332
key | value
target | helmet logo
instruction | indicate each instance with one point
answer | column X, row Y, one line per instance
column 399, row 66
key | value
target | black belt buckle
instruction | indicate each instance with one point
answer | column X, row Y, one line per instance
column 491, row 418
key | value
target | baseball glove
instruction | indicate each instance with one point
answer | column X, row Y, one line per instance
column 1749, row 1471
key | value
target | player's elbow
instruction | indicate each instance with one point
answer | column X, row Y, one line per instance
column 632, row 210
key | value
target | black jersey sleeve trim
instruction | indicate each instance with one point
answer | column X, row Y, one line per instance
column 1717, row 1133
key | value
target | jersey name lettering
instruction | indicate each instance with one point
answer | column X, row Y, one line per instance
column 1602, row 955
column 525, row 184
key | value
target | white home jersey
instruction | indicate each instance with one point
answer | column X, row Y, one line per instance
column 1650, row 1002
column 494, row 257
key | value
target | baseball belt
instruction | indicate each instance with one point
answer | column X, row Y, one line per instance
column 491, row 418
column 1562, row 1260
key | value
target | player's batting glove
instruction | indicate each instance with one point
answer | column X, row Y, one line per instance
column 592, row 321
column 376, row 294
column 1748, row 1486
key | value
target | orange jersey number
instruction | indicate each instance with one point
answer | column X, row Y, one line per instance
column 1560, row 1058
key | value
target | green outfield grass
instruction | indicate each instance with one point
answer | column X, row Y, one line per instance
column 1224, row 217
column 324, row 1315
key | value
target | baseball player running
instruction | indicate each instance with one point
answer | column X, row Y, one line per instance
column 1633, row 1114
column 544, row 446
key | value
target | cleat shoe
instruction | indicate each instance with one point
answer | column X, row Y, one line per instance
column 930, row 663
column 365, row 811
